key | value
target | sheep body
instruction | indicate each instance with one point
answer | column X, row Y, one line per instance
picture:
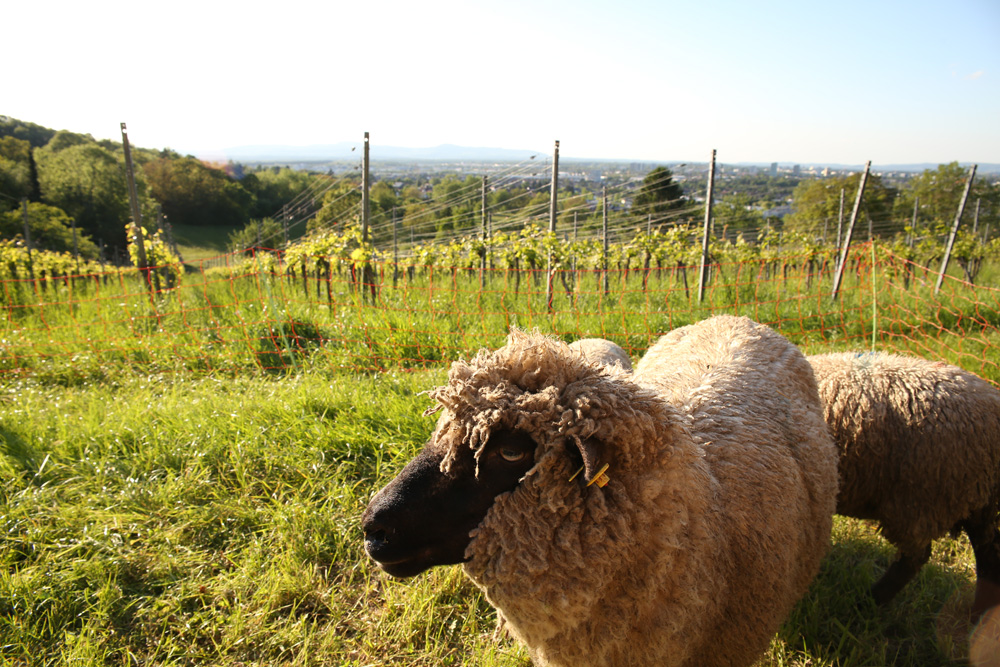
column 716, row 516
column 919, row 451
column 601, row 351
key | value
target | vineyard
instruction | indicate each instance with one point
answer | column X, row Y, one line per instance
column 334, row 302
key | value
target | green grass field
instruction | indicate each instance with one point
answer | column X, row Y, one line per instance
column 152, row 521
column 197, row 243
column 181, row 479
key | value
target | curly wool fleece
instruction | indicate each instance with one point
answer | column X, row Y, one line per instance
column 703, row 539
column 919, row 443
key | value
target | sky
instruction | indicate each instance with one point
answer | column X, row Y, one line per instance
column 660, row 80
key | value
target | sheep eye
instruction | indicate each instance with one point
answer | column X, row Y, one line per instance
column 512, row 455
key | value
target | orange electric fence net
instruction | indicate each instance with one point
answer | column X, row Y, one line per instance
column 258, row 314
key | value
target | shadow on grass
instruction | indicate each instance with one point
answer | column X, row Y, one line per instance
column 928, row 622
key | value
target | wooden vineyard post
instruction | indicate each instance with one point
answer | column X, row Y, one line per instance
column 703, row 273
column 604, row 237
column 133, row 197
column 842, row 260
column 553, row 212
column 367, row 276
column 954, row 229
column 482, row 216
column 27, row 240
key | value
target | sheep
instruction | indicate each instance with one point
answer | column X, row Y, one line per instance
column 919, row 450
column 601, row 351
column 609, row 526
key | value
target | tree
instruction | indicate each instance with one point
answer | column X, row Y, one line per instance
column 736, row 213
column 15, row 170
column 51, row 229
column 341, row 206
column 36, row 135
column 88, row 183
column 266, row 233
column 816, row 206
column 940, row 191
column 193, row 193
column 274, row 187
column 659, row 195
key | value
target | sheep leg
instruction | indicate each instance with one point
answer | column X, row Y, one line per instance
column 986, row 546
column 904, row 568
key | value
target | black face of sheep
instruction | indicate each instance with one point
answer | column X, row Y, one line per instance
column 423, row 517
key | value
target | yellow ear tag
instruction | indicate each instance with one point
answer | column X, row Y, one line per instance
column 600, row 478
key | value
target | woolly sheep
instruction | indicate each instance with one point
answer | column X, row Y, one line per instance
column 601, row 351
column 919, row 452
column 707, row 526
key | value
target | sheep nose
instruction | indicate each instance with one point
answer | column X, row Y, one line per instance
column 375, row 534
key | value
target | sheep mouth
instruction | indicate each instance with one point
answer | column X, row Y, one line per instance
column 410, row 566
column 404, row 565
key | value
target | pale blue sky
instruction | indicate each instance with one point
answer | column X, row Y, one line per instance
column 844, row 82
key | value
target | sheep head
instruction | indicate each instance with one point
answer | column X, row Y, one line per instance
column 424, row 516
column 533, row 407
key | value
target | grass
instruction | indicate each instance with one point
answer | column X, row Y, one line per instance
column 170, row 521
column 247, row 318
column 197, row 243
column 181, row 479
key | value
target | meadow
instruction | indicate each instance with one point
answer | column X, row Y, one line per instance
column 182, row 475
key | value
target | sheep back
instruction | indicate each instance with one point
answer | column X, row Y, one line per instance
column 751, row 398
column 601, row 351
column 710, row 529
column 918, row 440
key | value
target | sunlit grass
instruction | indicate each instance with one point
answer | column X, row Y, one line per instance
column 194, row 521
column 247, row 319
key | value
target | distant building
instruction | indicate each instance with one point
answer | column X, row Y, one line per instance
column 796, row 170
column 774, row 169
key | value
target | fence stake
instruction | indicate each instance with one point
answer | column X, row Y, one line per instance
column 367, row 271
column 133, row 197
column 395, row 249
column 703, row 274
column 365, row 202
column 842, row 261
column 604, row 236
column 840, row 221
column 482, row 216
column 913, row 224
column 954, row 229
column 553, row 212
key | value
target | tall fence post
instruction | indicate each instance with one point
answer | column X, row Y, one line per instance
column 27, row 239
column 365, row 187
column 842, row 260
column 284, row 222
column 840, row 221
column 133, row 197
column 703, row 274
column 954, row 229
column 604, row 238
column 395, row 248
column 485, row 239
column 367, row 270
column 553, row 212
column 913, row 222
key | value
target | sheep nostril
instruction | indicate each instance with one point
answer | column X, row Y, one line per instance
column 376, row 535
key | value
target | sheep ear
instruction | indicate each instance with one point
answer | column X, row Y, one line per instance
column 592, row 453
